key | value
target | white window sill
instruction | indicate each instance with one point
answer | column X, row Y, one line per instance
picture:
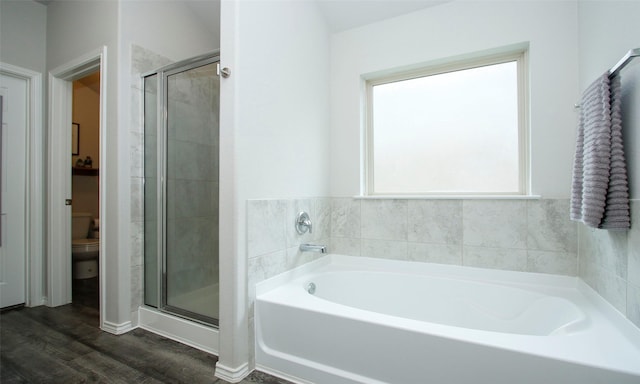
column 450, row 197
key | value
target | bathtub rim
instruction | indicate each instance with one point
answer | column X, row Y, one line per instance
column 518, row 278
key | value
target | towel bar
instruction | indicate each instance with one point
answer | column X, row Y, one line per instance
column 633, row 53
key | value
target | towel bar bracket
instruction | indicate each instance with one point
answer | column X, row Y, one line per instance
column 633, row 53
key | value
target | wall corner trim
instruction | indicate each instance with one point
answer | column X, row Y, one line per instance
column 117, row 329
column 232, row 375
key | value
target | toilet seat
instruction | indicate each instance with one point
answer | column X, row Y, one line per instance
column 84, row 249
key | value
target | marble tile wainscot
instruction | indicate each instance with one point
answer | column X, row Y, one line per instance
column 273, row 243
column 610, row 263
column 521, row 235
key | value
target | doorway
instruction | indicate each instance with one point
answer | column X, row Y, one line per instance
column 59, row 196
column 85, row 190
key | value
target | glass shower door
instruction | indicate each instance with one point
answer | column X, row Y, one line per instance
column 191, row 201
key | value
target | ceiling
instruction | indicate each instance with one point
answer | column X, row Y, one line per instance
column 346, row 14
column 339, row 14
column 91, row 81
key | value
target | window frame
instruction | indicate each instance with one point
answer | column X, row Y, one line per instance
column 520, row 56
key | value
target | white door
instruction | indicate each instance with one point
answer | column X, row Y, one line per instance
column 14, row 95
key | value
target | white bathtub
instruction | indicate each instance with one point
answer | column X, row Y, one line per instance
column 380, row 321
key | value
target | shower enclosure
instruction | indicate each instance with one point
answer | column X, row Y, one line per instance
column 181, row 147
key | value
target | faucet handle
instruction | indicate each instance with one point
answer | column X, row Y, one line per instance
column 303, row 223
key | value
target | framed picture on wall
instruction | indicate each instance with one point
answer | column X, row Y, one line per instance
column 75, row 139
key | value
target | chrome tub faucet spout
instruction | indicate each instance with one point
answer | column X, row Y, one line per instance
column 313, row 248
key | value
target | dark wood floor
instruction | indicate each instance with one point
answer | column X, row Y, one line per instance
column 65, row 345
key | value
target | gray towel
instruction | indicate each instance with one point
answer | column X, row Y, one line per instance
column 616, row 213
column 600, row 195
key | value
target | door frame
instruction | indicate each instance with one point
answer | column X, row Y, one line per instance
column 34, row 207
column 59, row 172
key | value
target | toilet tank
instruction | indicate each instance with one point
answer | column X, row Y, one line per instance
column 80, row 225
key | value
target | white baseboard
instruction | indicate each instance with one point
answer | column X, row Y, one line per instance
column 230, row 374
column 37, row 303
column 176, row 328
column 135, row 319
column 117, row 329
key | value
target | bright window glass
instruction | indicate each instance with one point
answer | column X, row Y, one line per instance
column 454, row 132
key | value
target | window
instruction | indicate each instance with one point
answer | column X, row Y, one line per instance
column 458, row 130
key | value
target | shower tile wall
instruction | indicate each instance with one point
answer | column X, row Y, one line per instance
column 192, row 180
column 610, row 264
column 142, row 60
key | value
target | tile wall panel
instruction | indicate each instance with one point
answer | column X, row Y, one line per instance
column 610, row 263
column 142, row 61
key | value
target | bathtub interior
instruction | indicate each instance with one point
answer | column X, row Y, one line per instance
column 334, row 337
column 467, row 303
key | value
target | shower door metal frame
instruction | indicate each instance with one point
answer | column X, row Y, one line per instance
column 161, row 208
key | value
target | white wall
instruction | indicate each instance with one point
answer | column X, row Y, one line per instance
column 454, row 29
column 275, row 117
column 75, row 28
column 23, row 24
column 283, row 94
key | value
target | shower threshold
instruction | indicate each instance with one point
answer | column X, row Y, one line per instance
column 191, row 333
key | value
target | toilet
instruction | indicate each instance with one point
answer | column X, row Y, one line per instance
column 84, row 248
